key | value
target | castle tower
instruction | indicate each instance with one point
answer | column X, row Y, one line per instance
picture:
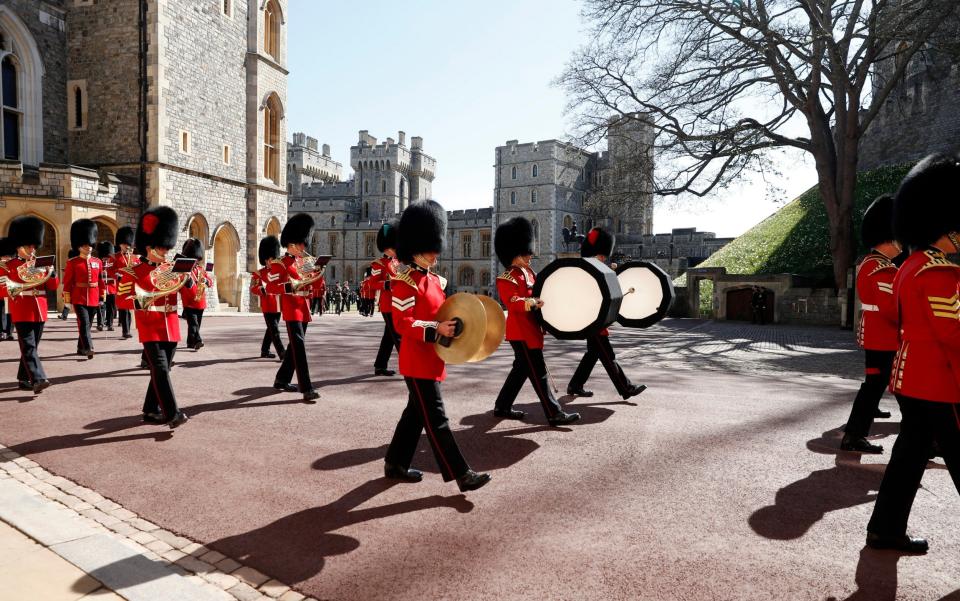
column 389, row 176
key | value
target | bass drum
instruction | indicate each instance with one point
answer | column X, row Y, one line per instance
column 651, row 296
column 580, row 297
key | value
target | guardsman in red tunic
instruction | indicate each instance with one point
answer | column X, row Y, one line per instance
column 295, row 291
column 417, row 295
column 28, row 300
column 366, row 293
column 269, row 252
column 382, row 271
column 123, row 258
column 926, row 369
column 7, row 252
column 877, row 334
column 108, row 311
column 156, row 314
column 195, row 298
column 81, row 282
column 599, row 244
column 513, row 243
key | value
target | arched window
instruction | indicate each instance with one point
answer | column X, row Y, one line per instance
column 366, row 210
column 536, row 170
column 383, row 187
column 466, row 276
column 271, row 30
column 289, row 188
column 513, row 198
column 513, row 172
column 536, row 237
column 11, row 110
column 333, row 221
column 366, row 186
column 484, row 278
column 271, row 140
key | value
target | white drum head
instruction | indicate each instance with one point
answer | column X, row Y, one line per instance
column 572, row 299
column 647, row 296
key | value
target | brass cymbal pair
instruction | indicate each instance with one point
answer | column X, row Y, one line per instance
column 484, row 326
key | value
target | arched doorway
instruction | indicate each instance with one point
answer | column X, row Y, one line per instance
column 226, row 256
column 273, row 227
column 197, row 228
column 106, row 230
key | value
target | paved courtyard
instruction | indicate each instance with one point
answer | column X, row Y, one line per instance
column 721, row 481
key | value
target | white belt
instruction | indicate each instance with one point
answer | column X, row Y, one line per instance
column 31, row 293
column 304, row 294
column 160, row 309
column 871, row 308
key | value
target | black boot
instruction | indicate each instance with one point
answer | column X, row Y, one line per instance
column 859, row 444
column 471, row 480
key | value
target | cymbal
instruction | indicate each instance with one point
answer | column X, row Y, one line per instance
column 496, row 326
column 470, row 310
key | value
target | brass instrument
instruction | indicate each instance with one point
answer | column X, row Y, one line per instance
column 483, row 323
column 307, row 271
column 31, row 277
column 201, row 282
column 166, row 282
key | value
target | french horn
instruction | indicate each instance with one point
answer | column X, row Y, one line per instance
column 31, row 277
column 165, row 280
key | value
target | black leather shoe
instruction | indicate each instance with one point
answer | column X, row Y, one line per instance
column 109, row 328
column 177, row 420
column 563, row 418
column 152, row 418
column 579, row 391
column 127, row 336
column 398, row 473
column 267, row 356
column 859, row 444
column 311, row 396
column 285, row 387
column 881, row 414
column 198, row 345
column 40, row 385
column 634, row 390
column 90, row 354
column 509, row 413
column 99, row 328
column 471, row 480
column 384, row 372
column 24, row 385
column 907, row 544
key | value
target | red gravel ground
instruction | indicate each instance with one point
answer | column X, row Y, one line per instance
column 715, row 483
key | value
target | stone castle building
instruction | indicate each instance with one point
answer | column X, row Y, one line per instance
column 111, row 107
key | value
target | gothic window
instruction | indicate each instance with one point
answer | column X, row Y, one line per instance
column 332, row 241
column 484, row 277
column 11, row 112
column 271, row 139
column 466, row 244
column 366, row 210
column 383, row 187
column 513, row 172
column 536, row 170
column 366, row 186
column 271, row 30
column 533, row 195
column 513, row 198
column 485, row 245
column 466, row 276
column 333, row 221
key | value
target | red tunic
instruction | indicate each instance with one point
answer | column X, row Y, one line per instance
column 269, row 303
column 195, row 298
column 30, row 305
column 417, row 295
column 878, row 323
column 927, row 365
column 381, row 272
column 158, row 322
column 3, row 280
column 365, row 288
column 108, row 277
column 514, row 285
column 294, row 304
column 124, row 279
column 81, row 281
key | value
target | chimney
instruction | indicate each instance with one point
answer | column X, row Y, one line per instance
column 390, row 141
column 416, row 142
column 326, row 150
column 311, row 143
column 298, row 139
column 402, row 138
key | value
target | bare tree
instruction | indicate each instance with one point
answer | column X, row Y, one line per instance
column 725, row 82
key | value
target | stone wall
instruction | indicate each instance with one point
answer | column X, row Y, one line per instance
column 810, row 306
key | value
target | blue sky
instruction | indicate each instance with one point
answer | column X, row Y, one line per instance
column 467, row 77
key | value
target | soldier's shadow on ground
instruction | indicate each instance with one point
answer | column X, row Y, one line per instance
column 876, row 578
column 295, row 547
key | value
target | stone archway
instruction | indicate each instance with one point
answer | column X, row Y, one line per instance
column 273, row 227
column 226, row 258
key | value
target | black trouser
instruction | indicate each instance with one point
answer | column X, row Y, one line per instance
column 389, row 340
column 315, row 305
column 528, row 363
column 878, row 365
column 108, row 310
column 272, row 335
column 425, row 410
column 6, row 320
column 28, row 335
column 124, row 318
column 194, row 318
column 922, row 423
column 84, row 319
column 598, row 347
column 64, row 311
column 160, row 399
column 295, row 359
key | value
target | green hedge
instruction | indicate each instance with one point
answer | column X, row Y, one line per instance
column 796, row 238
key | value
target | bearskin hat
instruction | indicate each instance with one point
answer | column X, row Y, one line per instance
column 925, row 207
column 598, row 241
column 105, row 249
column 157, row 228
column 26, row 230
column 73, row 253
column 387, row 236
column 192, row 249
column 422, row 228
column 7, row 249
column 298, row 230
column 124, row 236
column 83, row 231
column 513, row 238
column 269, row 249
column 877, row 226
column 368, row 272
